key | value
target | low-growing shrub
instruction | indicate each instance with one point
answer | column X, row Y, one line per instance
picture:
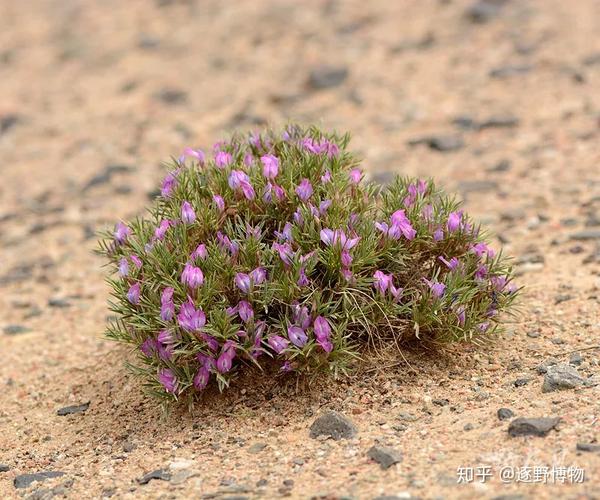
column 273, row 249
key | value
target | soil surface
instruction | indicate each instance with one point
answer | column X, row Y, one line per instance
column 498, row 100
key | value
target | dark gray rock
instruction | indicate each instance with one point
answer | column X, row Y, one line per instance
column 70, row 410
column 106, row 175
column 560, row 377
column 483, row 11
column 8, row 121
column 59, row 303
column 15, row 329
column 499, row 121
column 510, row 70
column 543, row 367
column 326, row 76
column 4, row 468
column 384, row 456
column 257, row 448
column 159, row 474
column 520, row 382
column 505, row 413
column 586, row 235
column 25, row 480
column 334, row 425
column 442, row 143
column 589, row 447
column 532, row 426
column 171, row 96
column 441, row 402
column 591, row 59
column 575, row 359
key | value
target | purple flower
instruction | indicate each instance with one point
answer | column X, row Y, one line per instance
column 286, row 366
column 121, row 233
column 200, row 252
column 452, row 264
column 222, row 159
column 437, row 289
column 297, row 336
column 219, row 202
column 190, row 318
column 438, row 234
column 148, row 347
column 481, row 272
column 401, row 223
column 243, row 282
column 168, row 184
column 236, row 177
column 346, row 259
column 347, row 274
column 137, row 261
column 331, row 238
column 324, row 206
column 304, row 190
column 498, row 282
column 187, row 213
column 245, row 311
column 286, row 254
column 326, row 345
column 201, row 378
column 381, row 281
column 326, row 177
column 205, row 361
column 133, row 295
column 481, row 249
column 226, row 244
column 168, row 380
column 166, row 337
column 192, row 276
column 224, row 362
column 453, row 221
column 277, row 343
column 303, row 279
column 167, row 307
column 198, row 154
column 286, row 234
column 161, row 230
column 301, row 315
column 258, row 275
column 123, row 267
column 270, row 166
column 355, row 176
column 322, row 328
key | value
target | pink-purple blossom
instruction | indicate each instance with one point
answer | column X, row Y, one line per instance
column 437, row 288
column 133, row 294
column 270, row 166
column 355, row 176
column 192, row 276
column 123, row 267
column 277, row 343
column 243, row 282
column 188, row 216
column 167, row 306
column 454, row 219
column 297, row 335
column 168, row 379
column 121, row 233
column 219, row 202
column 223, row 159
column 245, row 311
column 190, row 318
column 201, row 378
column 304, row 190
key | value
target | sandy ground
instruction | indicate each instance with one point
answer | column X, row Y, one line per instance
column 93, row 95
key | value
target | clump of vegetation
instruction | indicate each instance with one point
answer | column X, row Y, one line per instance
column 273, row 249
